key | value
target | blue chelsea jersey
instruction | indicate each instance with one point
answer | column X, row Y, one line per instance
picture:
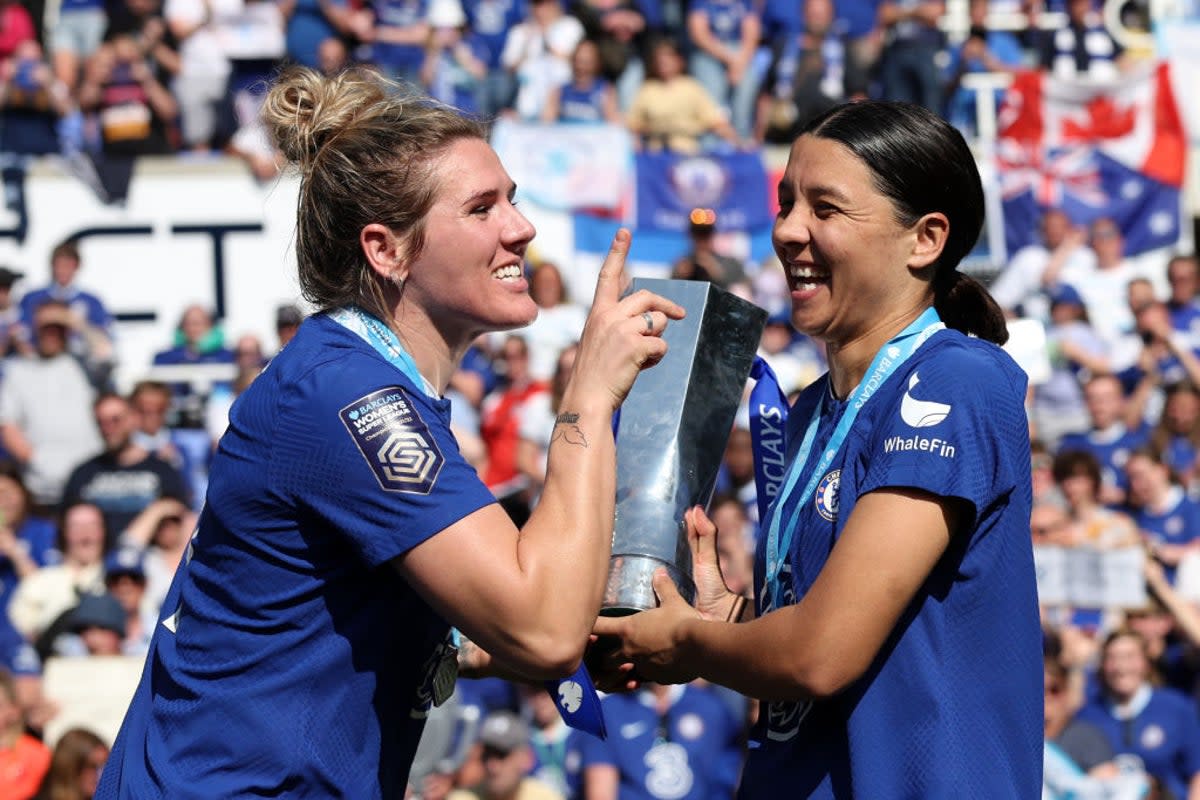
column 952, row 705
column 292, row 659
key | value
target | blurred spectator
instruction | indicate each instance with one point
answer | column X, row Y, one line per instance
column 1183, row 279
column 397, row 37
column 1159, row 726
column 537, row 419
column 16, row 26
column 199, row 26
column 23, row 759
column 737, row 471
column 89, row 323
column 454, row 68
column 332, row 56
column 253, row 41
column 702, row 262
column 287, row 322
column 1079, row 759
column 912, row 41
column 1048, row 525
column 556, row 747
column 617, row 27
column 1107, row 438
column 588, row 96
column 311, row 22
column 1026, row 283
column 123, row 478
column 1177, row 433
column 14, row 338
column 198, row 340
column 249, row 360
column 507, row 763
column 143, row 20
column 31, row 102
column 500, row 422
column 793, row 359
column 75, row 766
column 27, row 542
column 812, row 71
column 724, row 35
column 75, row 37
column 665, row 741
column 1041, row 467
column 490, row 20
column 671, row 110
column 559, row 321
column 150, row 402
column 538, row 51
column 45, row 408
column 1166, row 517
column 1103, row 282
column 45, row 596
column 1092, row 525
column 98, row 624
column 125, row 579
column 162, row 533
column 984, row 50
column 1166, row 357
column 1083, row 47
column 1058, row 406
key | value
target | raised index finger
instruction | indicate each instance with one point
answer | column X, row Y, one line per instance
column 612, row 271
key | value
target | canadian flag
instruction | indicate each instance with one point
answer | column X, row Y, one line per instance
column 1114, row 149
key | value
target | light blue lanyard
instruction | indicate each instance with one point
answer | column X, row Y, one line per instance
column 385, row 342
column 886, row 361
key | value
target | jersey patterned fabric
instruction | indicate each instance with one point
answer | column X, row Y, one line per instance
column 952, row 705
column 292, row 659
column 690, row 753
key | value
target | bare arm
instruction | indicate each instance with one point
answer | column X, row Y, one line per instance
column 825, row 642
column 529, row 597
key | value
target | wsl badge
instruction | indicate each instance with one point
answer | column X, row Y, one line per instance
column 395, row 441
column 826, row 495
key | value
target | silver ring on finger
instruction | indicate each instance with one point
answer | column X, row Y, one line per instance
column 649, row 321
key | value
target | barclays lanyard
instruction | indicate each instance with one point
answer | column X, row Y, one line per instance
column 385, row 342
column 886, row 361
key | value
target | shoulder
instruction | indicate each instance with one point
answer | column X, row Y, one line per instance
column 1173, row 702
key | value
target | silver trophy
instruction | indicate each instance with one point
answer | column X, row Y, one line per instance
column 673, row 429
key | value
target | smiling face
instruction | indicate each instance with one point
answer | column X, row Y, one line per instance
column 469, row 276
column 1124, row 667
column 843, row 251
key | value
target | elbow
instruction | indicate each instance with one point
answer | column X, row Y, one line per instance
column 548, row 657
column 823, row 679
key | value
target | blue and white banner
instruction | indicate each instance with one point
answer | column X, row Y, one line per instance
column 733, row 184
column 566, row 166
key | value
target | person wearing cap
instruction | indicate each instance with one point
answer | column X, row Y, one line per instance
column 1076, row 350
column 508, row 760
column 125, row 579
column 89, row 321
column 703, row 262
column 99, row 621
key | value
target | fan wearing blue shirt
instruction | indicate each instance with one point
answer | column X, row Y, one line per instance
column 1109, row 439
column 664, row 743
column 308, row 631
column 1167, row 518
column 896, row 646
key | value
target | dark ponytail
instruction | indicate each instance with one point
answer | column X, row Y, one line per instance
column 923, row 165
column 965, row 305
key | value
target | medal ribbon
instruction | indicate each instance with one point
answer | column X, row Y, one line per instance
column 889, row 358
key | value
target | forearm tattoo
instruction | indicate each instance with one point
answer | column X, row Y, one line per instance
column 566, row 426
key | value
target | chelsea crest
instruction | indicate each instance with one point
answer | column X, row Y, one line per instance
column 826, row 495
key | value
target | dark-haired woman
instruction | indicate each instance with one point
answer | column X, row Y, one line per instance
column 896, row 645
column 308, row 631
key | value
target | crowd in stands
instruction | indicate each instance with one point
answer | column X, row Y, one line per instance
column 100, row 487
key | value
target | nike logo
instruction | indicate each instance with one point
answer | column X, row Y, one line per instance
column 921, row 413
column 632, row 730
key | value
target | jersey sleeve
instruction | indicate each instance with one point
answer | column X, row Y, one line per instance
column 370, row 455
column 956, row 427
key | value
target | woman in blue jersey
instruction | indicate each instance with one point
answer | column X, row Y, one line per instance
column 896, row 645
column 308, row 631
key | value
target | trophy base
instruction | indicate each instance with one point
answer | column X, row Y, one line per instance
column 630, row 587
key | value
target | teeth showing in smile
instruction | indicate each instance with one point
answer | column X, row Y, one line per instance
column 807, row 278
column 511, row 272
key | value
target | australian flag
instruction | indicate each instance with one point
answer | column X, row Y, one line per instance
column 1114, row 150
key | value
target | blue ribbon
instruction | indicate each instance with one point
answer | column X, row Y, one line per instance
column 578, row 702
column 886, row 362
column 768, row 426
